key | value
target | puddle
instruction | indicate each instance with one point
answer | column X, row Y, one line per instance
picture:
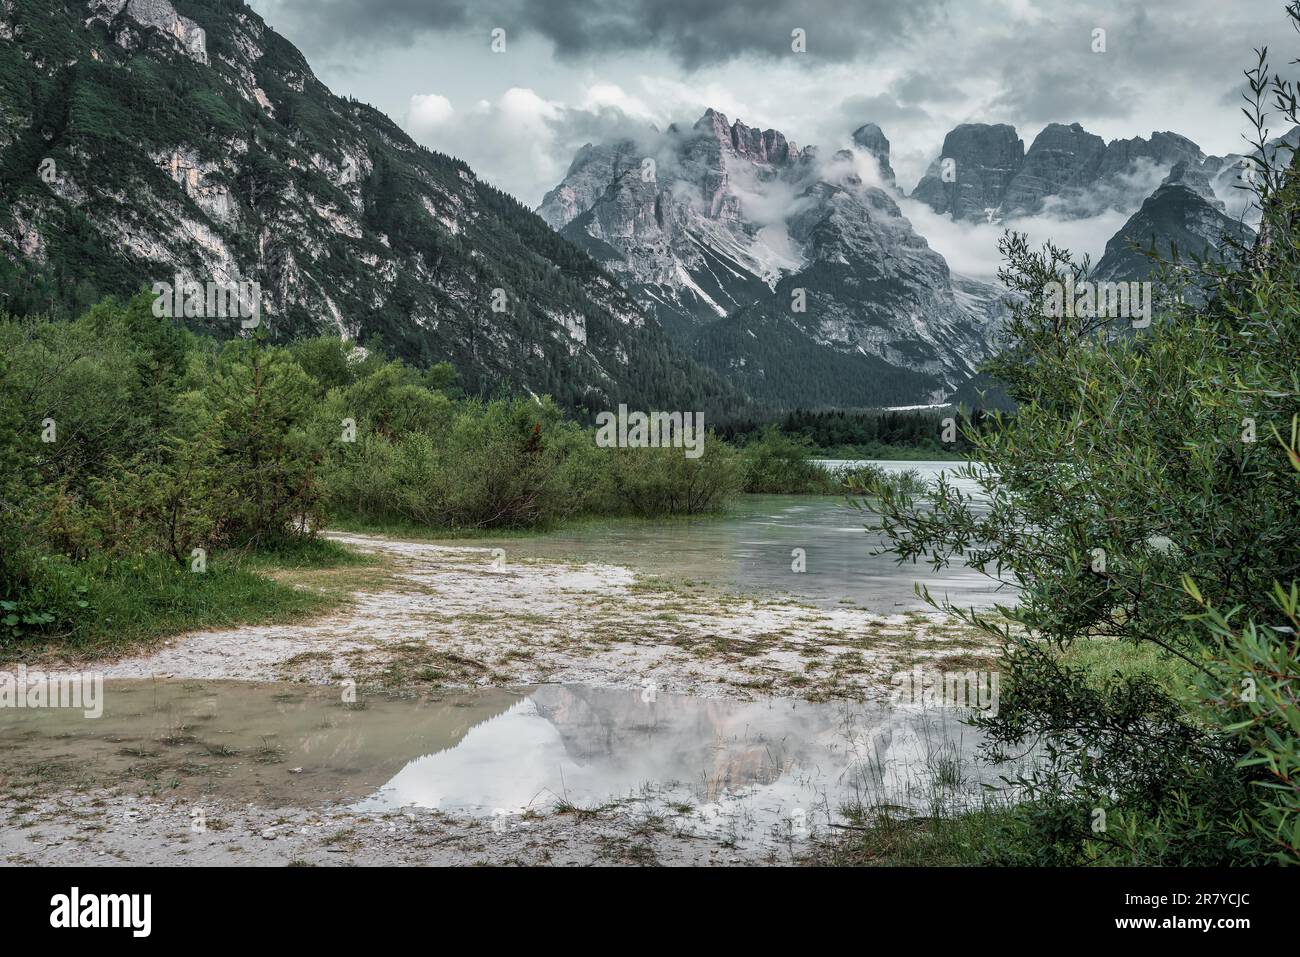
column 743, row 772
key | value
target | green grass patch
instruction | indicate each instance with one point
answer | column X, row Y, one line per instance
column 1103, row 658
column 130, row 603
column 894, row 838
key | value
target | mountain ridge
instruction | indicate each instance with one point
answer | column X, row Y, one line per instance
column 984, row 172
column 768, row 261
column 190, row 138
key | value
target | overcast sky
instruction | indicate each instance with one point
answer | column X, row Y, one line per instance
column 575, row 71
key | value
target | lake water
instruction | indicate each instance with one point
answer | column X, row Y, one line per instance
column 752, row 548
column 746, row 772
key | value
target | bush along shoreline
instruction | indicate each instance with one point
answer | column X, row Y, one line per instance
column 153, row 472
column 1143, row 503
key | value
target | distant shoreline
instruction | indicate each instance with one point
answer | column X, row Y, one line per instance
column 887, row 454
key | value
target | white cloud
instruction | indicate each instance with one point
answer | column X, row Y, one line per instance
column 599, row 96
column 688, row 101
column 520, row 141
column 522, row 105
column 972, row 248
column 427, row 111
column 1024, row 11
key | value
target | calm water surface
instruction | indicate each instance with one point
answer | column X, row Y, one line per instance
column 753, row 547
column 742, row 771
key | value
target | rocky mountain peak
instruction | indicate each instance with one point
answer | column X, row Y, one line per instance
column 1196, row 179
column 1164, row 149
column 714, row 122
column 973, row 171
column 1062, row 157
column 872, row 138
column 983, row 172
column 735, row 219
column 1179, row 217
column 749, row 143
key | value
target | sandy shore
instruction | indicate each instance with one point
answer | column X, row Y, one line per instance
column 462, row 618
column 108, row 829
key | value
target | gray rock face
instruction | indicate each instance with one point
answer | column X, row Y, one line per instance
column 1061, row 158
column 1202, row 207
column 1163, row 149
column 765, row 146
column 1172, row 192
column 731, row 226
column 590, row 173
column 877, row 288
column 872, row 138
column 667, row 215
column 1177, row 217
column 160, row 15
column 984, row 159
column 1196, row 179
column 1067, row 172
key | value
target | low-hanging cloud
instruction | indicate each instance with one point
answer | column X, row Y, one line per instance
column 521, row 139
column 971, row 249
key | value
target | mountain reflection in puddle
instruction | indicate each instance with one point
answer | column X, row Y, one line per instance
column 741, row 771
column 733, row 769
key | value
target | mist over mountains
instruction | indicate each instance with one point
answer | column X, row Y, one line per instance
column 790, row 272
column 775, row 264
column 707, row 264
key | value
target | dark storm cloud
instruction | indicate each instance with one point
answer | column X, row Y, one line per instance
column 881, row 110
column 342, row 22
column 1050, row 68
column 1040, row 64
column 926, row 87
column 694, row 32
column 1062, row 92
column 699, row 33
column 916, row 67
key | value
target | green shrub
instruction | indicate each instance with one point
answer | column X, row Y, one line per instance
column 1250, row 689
column 867, row 478
column 1139, row 463
column 169, row 443
column 255, row 458
column 663, row 481
column 501, row 464
column 53, row 594
column 778, row 463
